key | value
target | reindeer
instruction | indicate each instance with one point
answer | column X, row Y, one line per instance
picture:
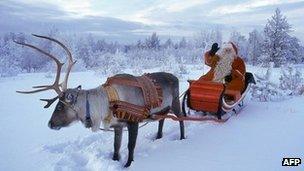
column 73, row 103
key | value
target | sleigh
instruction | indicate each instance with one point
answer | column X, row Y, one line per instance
column 211, row 99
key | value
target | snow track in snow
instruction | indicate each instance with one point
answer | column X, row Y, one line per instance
column 94, row 152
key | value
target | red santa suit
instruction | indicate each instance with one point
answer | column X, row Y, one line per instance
column 226, row 62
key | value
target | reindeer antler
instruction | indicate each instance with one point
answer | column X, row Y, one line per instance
column 70, row 60
column 55, row 85
column 49, row 101
column 58, row 87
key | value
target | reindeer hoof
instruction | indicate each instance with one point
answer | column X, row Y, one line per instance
column 159, row 136
column 116, row 157
column 128, row 164
column 181, row 138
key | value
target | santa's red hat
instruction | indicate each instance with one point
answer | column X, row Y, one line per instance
column 234, row 47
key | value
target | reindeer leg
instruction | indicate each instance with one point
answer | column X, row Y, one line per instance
column 117, row 142
column 160, row 129
column 177, row 111
column 133, row 131
column 182, row 130
column 164, row 111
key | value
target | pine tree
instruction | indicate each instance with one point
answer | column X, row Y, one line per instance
column 168, row 43
column 153, row 42
column 295, row 54
column 9, row 56
column 182, row 43
column 277, row 39
column 139, row 45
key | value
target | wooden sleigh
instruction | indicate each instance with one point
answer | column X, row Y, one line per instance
column 210, row 98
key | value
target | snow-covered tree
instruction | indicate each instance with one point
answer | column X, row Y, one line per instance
column 92, row 52
column 171, row 65
column 182, row 43
column 295, row 54
column 205, row 38
column 218, row 37
column 84, row 52
column 101, row 45
column 153, row 42
column 168, row 44
column 10, row 56
column 265, row 88
column 110, row 64
column 291, row 80
column 139, row 45
column 255, row 42
column 279, row 46
column 301, row 60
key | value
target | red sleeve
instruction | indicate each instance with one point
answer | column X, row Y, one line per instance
column 207, row 59
column 239, row 68
column 211, row 60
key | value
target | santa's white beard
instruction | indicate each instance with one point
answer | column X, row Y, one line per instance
column 224, row 65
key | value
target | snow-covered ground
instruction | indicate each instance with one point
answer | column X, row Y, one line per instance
column 256, row 139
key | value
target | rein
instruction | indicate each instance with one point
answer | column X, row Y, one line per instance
column 188, row 118
column 112, row 130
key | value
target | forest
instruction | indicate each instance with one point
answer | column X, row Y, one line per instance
column 274, row 44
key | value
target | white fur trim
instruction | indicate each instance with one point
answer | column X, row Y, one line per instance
column 224, row 66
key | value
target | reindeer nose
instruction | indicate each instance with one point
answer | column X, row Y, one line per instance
column 50, row 124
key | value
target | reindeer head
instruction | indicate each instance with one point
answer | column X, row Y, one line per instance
column 65, row 111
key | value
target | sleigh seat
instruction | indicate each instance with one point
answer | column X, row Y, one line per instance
column 207, row 95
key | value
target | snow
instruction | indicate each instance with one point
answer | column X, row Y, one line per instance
column 256, row 139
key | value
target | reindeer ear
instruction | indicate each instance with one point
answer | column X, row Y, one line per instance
column 79, row 87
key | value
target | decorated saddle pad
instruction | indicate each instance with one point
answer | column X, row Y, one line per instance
column 152, row 94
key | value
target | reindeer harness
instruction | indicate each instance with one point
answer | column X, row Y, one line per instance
column 125, row 111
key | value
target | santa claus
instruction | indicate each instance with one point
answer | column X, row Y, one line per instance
column 226, row 67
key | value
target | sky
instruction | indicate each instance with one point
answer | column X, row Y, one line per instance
column 130, row 19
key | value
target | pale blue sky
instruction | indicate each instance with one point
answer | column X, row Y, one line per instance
column 139, row 17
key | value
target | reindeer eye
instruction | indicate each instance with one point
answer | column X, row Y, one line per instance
column 59, row 107
column 69, row 98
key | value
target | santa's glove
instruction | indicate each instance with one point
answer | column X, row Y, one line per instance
column 228, row 78
column 214, row 49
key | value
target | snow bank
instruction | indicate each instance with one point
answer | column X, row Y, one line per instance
column 257, row 139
